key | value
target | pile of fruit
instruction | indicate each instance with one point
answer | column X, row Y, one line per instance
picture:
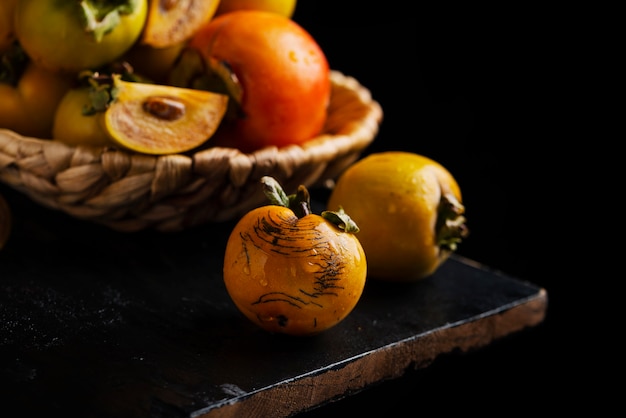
column 161, row 77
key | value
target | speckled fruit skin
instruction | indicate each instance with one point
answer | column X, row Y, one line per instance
column 290, row 275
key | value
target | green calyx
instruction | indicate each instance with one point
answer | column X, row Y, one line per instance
column 300, row 204
column 102, row 85
column 100, row 17
column 451, row 225
column 101, row 91
column 342, row 220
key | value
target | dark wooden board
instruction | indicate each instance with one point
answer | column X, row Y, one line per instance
column 97, row 323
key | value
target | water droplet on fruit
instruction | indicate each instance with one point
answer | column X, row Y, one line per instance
column 246, row 270
column 310, row 267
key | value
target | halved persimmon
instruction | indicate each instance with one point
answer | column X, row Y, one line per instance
column 160, row 119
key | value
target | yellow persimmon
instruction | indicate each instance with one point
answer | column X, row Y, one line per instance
column 291, row 271
column 409, row 210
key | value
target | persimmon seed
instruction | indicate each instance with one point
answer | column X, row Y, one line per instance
column 168, row 4
column 164, row 108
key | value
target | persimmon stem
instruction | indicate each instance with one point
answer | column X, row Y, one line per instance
column 300, row 204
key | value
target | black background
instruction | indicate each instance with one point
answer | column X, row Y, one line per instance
column 478, row 91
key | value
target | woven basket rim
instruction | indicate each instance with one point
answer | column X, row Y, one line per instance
column 130, row 191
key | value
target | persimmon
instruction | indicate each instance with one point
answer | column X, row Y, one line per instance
column 409, row 209
column 74, row 125
column 71, row 36
column 28, row 103
column 291, row 271
column 277, row 75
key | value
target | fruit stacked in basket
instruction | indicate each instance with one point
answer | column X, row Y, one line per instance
column 148, row 114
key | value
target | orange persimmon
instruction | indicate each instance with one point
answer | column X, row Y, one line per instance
column 291, row 271
column 276, row 73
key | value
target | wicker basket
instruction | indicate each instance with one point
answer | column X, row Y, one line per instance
column 131, row 192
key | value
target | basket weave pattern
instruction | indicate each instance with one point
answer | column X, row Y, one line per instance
column 129, row 192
